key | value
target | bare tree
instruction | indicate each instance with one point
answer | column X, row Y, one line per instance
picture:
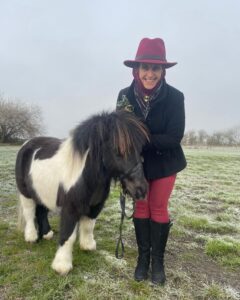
column 202, row 137
column 190, row 138
column 233, row 136
column 19, row 120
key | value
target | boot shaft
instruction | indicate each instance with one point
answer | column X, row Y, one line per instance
column 142, row 231
column 159, row 238
column 143, row 235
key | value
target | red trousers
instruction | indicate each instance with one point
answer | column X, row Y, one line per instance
column 155, row 205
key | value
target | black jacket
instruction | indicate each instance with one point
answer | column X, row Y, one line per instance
column 166, row 122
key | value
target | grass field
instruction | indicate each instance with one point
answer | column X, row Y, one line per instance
column 203, row 253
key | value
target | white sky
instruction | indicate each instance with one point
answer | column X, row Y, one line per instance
column 66, row 56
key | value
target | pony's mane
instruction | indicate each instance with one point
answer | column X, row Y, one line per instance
column 124, row 131
column 128, row 133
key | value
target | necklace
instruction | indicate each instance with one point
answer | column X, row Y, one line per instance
column 146, row 98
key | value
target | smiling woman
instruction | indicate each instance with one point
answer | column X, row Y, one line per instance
column 161, row 108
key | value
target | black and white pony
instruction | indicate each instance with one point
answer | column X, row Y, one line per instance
column 75, row 175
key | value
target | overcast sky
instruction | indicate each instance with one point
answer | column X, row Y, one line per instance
column 67, row 56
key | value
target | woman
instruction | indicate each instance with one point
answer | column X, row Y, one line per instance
column 161, row 108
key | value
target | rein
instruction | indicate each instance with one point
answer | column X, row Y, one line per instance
column 119, row 252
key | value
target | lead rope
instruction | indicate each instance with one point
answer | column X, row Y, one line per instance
column 122, row 200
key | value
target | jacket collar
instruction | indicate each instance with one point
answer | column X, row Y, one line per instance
column 131, row 97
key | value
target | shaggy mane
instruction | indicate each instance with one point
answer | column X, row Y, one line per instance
column 122, row 128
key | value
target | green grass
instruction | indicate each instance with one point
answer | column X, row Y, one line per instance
column 203, row 224
column 202, row 258
column 227, row 252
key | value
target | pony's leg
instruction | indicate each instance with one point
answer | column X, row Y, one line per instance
column 62, row 262
column 44, row 229
column 87, row 223
column 29, row 209
column 86, row 238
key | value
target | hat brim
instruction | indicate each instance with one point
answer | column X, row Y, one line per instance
column 135, row 63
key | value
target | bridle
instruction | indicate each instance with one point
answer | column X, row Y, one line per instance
column 130, row 171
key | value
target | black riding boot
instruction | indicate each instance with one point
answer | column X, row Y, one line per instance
column 159, row 237
column 142, row 230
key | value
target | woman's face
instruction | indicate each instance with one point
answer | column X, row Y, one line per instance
column 150, row 75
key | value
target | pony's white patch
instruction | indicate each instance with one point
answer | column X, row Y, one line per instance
column 62, row 262
column 28, row 209
column 86, row 237
column 49, row 235
column 65, row 167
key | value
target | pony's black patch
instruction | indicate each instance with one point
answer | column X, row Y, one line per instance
column 42, row 220
column 49, row 147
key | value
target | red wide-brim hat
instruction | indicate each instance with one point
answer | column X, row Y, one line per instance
column 150, row 51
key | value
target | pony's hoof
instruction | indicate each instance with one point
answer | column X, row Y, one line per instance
column 61, row 267
column 88, row 245
column 49, row 235
column 31, row 236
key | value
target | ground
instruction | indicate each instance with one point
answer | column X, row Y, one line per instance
column 203, row 252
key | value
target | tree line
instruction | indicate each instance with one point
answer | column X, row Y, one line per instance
column 20, row 121
column 229, row 137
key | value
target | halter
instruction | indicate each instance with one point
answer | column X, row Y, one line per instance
column 130, row 171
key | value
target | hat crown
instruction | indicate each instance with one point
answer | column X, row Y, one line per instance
column 151, row 49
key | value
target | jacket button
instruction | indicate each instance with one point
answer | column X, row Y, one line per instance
column 159, row 152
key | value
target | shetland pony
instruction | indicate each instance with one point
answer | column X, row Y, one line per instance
column 75, row 175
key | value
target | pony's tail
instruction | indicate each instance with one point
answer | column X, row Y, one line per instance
column 21, row 220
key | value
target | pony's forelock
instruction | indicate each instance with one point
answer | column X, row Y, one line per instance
column 130, row 133
column 121, row 129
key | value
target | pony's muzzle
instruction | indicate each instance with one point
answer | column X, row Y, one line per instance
column 137, row 190
column 141, row 191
